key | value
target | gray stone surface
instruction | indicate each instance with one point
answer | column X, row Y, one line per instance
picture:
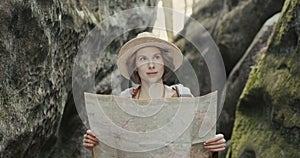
column 239, row 75
column 232, row 24
column 38, row 42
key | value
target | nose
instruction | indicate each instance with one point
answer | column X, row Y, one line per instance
column 151, row 65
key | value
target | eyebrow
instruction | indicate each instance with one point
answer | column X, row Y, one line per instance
column 157, row 54
column 146, row 56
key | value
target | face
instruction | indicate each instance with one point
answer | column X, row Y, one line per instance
column 150, row 65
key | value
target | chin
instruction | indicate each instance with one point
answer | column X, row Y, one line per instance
column 153, row 80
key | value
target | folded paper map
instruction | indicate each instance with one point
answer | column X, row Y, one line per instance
column 160, row 128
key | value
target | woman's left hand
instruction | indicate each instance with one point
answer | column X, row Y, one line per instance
column 216, row 144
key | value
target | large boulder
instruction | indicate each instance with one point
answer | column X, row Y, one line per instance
column 228, row 22
column 240, row 73
column 237, row 28
column 38, row 42
column 267, row 120
column 232, row 24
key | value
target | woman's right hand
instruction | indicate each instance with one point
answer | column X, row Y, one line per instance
column 90, row 140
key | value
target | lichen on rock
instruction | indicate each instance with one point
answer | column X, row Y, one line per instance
column 267, row 118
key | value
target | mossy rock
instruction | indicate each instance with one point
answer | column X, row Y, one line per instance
column 267, row 118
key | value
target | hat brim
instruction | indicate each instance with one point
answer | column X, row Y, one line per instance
column 135, row 44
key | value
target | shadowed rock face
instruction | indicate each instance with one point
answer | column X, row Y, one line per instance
column 38, row 41
column 237, row 28
column 239, row 75
column 40, row 38
column 233, row 24
column 267, row 119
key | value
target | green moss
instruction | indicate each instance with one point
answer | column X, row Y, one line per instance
column 251, row 133
column 253, row 125
column 284, row 23
column 267, row 116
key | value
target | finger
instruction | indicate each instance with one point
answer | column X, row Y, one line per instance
column 89, row 132
column 216, row 138
column 220, row 141
column 88, row 146
column 217, row 150
column 88, row 136
column 217, row 146
column 93, row 137
column 90, row 141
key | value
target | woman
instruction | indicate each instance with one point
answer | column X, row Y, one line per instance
column 148, row 61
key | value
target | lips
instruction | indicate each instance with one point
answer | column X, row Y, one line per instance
column 151, row 73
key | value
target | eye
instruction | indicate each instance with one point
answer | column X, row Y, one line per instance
column 142, row 58
column 157, row 56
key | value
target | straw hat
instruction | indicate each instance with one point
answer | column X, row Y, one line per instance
column 146, row 39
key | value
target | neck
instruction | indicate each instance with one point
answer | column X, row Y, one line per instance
column 152, row 90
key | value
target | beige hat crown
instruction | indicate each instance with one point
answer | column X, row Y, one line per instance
column 146, row 39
